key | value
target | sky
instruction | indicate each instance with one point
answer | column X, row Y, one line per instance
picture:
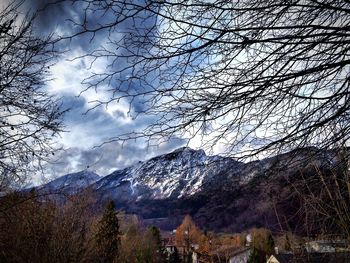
column 85, row 132
column 88, row 128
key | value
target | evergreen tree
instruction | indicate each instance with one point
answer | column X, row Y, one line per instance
column 107, row 236
column 156, row 235
column 160, row 250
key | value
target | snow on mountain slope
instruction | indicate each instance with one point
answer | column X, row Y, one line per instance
column 71, row 183
column 220, row 193
column 181, row 173
column 178, row 174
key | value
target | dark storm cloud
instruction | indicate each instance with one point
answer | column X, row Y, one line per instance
column 62, row 19
column 49, row 15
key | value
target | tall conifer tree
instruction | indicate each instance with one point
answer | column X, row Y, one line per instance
column 107, row 236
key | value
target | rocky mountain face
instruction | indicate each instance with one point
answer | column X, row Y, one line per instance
column 71, row 183
column 179, row 174
column 220, row 193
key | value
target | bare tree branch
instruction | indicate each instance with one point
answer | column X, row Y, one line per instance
column 29, row 117
column 255, row 76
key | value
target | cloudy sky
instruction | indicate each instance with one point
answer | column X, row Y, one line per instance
column 85, row 131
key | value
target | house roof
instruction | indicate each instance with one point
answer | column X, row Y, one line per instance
column 170, row 242
column 284, row 257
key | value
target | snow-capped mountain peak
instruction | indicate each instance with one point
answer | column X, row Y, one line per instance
column 173, row 175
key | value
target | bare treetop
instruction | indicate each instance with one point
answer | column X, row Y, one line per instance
column 255, row 76
column 29, row 117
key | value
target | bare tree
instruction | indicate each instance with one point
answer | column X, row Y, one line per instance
column 29, row 117
column 34, row 228
column 256, row 76
column 325, row 200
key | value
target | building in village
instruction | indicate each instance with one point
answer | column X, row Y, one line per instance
column 317, row 251
column 225, row 254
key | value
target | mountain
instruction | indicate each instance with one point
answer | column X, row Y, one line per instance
column 265, row 195
column 71, row 183
column 220, row 193
column 179, row 174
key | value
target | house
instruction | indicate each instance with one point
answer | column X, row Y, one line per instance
column 325, row 257
column 168, row 241
column 223, row 255
column 232, row 254
column 280, row 258
column 170, row 245
column 327, row 246
column 334, row 250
